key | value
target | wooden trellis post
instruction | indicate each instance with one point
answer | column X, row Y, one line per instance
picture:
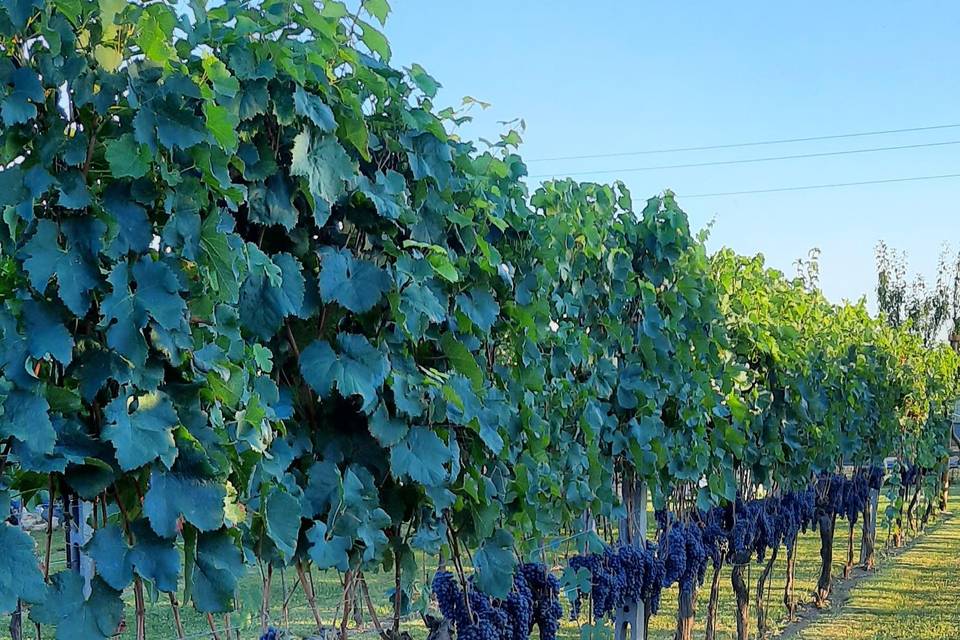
column 633, row 530
column 78, row 532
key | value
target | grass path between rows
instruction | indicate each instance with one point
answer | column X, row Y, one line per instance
column 914, row 596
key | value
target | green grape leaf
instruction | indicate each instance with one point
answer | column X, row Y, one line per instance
column 420, row 305
column 172, row 495
column 480, row 306
column 154, row 558
column 421, row 456
column 327, row 168
column 222, row 124
column 127, row 158
column 75, row 268
column 46, row 334
column 354, row 284
column 283, row 521
column 388, row 193
column 111, row 554
column 312, row 107
column 20, row 575
column 26, row 418
column 218, row 568
column 75, row 617
column 388, row 431
column 18, row 106
column 328, row 552
column 223, row 81
column 74, row 193
column 134, row 232
column 424, row 81
column 358, row 368
column 141, row 429
column 494, row 563
column 430, row 157
column 272, row 203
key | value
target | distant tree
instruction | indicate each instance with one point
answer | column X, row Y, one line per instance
column 808, row 269
column 903, row 301
column 949, row 274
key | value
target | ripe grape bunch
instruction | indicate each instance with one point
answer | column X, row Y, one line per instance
column 684, row 556
column 533, row 600
column 618, row 575
column 271, row 634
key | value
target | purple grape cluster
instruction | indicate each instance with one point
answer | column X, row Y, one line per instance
column 487, row 622
column 796, row 512
column 270, row 634
column 545, row 590
column 533, row 600
column 716, row 531
column 909, row 473
column 684, row 556
column 619, row 575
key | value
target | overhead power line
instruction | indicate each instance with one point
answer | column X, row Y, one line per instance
column 809, row 187
column 736, row 145
column 715, row 163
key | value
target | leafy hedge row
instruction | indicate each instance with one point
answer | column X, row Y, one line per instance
column 261, row 303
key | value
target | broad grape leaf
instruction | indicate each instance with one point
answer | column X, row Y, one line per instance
column 223, row 81
column 127, row 158
column 74, row 193
column 46, row 334
column 75, row 267
column 480, row 306
column 218, row 568
column 462, row 359
column 494, row 563
column 420, row 306
column 327, row 168
column 13, row 189
column 283, row 521
column 358, row 368
column 222, row 124
column 182, row 233
column 421, row 456
column 224, row 264
column 379, row 9
column 313, row 107
column 266, row 300
column 133, row 230
column 424, row 81
column 141, row 428
column 21, row 10
column 20, row 575
column 324, row 486
column 91, row 478
column 388, row 431
column 271, row 203
column 171, row 495
column 154, row 35
column 18, row 107
column 354, row 284
column 429, row 157
column 388, row 193
column 76, row 617
column 154, row 558
column 26, row 418
column 328, row 552
column 111, row 554
column 149, row 290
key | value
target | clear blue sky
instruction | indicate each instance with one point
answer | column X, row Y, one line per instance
column 602, row 76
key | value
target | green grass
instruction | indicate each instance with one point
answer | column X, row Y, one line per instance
column 915, row 596
column 245, row 620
